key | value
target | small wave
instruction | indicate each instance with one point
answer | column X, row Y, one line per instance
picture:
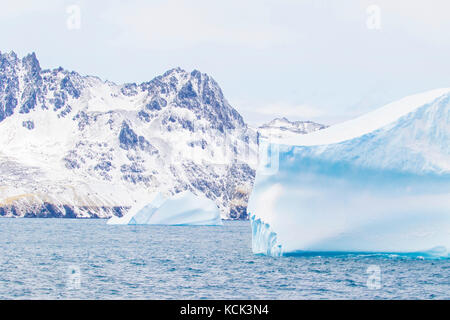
column 427, row 255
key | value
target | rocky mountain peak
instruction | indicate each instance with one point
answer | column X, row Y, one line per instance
column 100, row 146
column 281, row 127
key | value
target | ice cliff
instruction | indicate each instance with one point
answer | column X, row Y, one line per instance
column 378, row 183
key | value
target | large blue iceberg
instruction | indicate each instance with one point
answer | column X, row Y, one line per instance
column 183, row 208
column 378, row 183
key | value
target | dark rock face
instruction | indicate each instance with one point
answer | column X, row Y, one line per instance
column 33, row 83
column 187, row 92
column 156, row 104
column 127, row 137
column 36, row 85
column 9, row 84
column 144, row 116
column 67, row 85
column 31, row 64
column 49, row 210
column 129, row 89
column 130, row 140
column 28, row 124
column 239, row 212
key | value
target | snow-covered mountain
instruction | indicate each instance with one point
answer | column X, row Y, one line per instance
column 77, row 146
column 282, row 127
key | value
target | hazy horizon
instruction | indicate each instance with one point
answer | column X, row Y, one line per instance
column 303, row 60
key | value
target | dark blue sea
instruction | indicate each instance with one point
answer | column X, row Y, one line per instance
column 87, row 259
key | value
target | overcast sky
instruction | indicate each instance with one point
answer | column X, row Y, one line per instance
column 321, row 60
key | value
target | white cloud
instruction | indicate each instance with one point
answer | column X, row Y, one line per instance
column 177, row 24
column 18, row 8
column 293, row 111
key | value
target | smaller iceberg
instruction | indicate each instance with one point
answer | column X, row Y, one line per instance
column 183, row 208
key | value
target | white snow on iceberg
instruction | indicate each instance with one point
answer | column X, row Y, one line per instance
column 183, row 208
column 378, row 183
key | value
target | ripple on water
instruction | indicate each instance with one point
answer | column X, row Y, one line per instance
column 156, row 262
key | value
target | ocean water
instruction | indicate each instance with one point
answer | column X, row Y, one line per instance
column 86, row 259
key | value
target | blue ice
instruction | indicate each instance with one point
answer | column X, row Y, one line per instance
column 183, row 208
column 386, row 190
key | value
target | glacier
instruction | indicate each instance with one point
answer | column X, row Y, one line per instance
column 184, row 208
column 379, row 183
